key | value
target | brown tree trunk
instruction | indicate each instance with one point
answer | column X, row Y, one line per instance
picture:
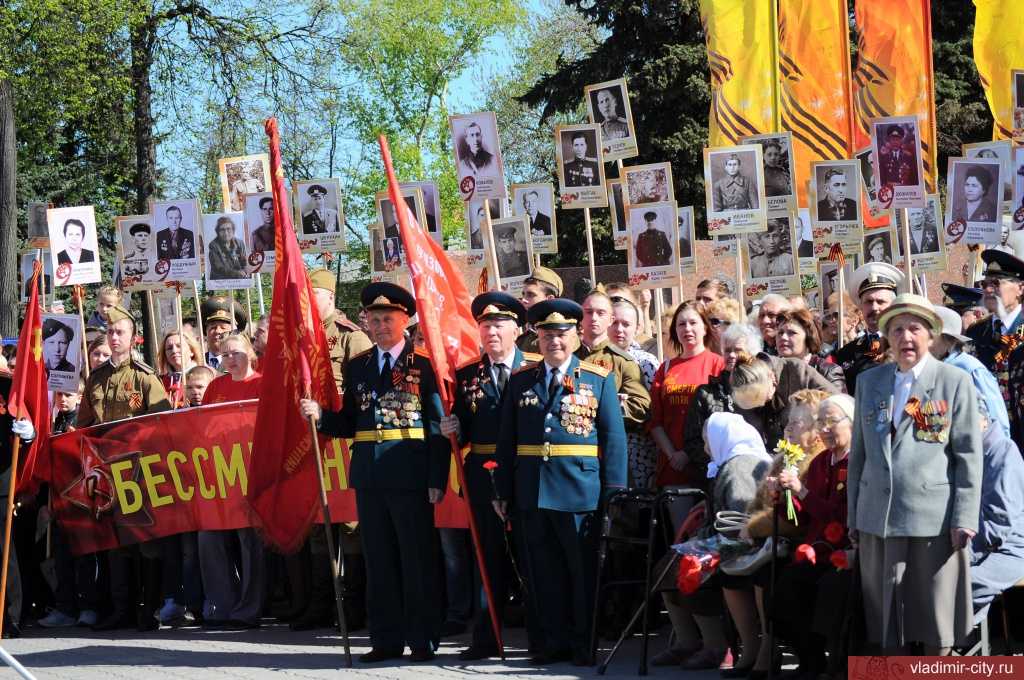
column 143, row 37
column 8, row 214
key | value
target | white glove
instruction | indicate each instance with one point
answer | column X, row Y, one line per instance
column 23, row 428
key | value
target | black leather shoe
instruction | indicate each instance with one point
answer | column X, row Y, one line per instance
column 547, row 658
column 421, row 654
column 115, row 621
column 375, row 655
column 477, row 653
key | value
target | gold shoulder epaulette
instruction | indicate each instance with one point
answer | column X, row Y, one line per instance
column 531, row 357
column 594, row 368
column 468, row 363
column 362, row 354
column 525, row 367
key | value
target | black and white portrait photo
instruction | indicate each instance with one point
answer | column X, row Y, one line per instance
column 138, row 252
column 878, row 246
column 26, row 265
column 243, row 175
column 74, row 246
column 536, row 204
column 62, row 351
column 836, row 195
column 37, row 231
column 318, row 206
column 580, row 166
column 734, row 180
column 654, row 239
column 684, row 218
column 175, row 224
column 805, row 234
column 377, row 248
column 512, row 245
column 413, row 198
column 1001, row 150
column 771, row 252
column 776, row 158
column 973, row 198
column 866, row 158
column 227, row 259
column 477, row 155
column 899, row 179
column 651, row 183
column 431, row 207
column 608, row 106
column 259, row 229
column 924, row 231
column 617, row 211
column 475, row 221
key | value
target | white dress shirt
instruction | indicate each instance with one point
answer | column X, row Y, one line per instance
column 506, row 362
column 562, row 370
column 902, row 385
column 1008, row 318
column 394, row 352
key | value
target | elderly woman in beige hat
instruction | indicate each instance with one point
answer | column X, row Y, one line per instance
column 914, row 487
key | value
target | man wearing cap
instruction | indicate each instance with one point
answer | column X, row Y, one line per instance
column 873, row 287
column 556, row 415
column 896, row 166
column 542, row 284
column 399, row 469
column 480, row 387
column 217, row 323
column 961, row 298
column 597, row 349
column 123, row 387
column 997, row 336
column 949, row 348
column 511, row 262
column 142, row 245
column 914, row 487
column 652, row 246
column 319, row 219
column 57, row 337
column 345, row 340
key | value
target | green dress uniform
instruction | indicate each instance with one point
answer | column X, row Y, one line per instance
column 636, row 408
column 552, row 430
column 128, row 389
column 344, row 341
column 398, row 453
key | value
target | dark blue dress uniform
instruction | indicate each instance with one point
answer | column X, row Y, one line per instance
column 398, row 453
column 993, row 342
column 559, row 449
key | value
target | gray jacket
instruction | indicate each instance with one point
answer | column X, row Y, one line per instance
column 902, row 485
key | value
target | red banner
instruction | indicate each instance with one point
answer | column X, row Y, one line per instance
column 167, row 473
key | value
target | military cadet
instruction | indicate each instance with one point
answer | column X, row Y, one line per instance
column 873, row 287
column 541, row 284
column 480, row 385
column 556, row 415
column 596, row 348
column 399, row 468
column 123, row 387
column 217, row 323
column 995, row 337
column 344, row 341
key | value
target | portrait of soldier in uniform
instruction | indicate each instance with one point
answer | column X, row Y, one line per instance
column 924, row 232
column 513, row 260
column 318, row 217
column 835, row 188
column 262, row 237
column 582, row 170
column 176, row 241
column 773, row 256
column 139, row 253
column 731, row 188
column 609, row 113
column 652, row 247
column 897, row 161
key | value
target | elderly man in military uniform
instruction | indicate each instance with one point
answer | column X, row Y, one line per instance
column 734, row 191
column 556, row 415
column 997, row 336
column 873, row 287
column 480, row 386
column 345, row 340
column 218, row 321
column 581, row 171
column 399, row 469
column 319, row 219
column 613, row 126
column 652, row 245
column 123, row 387
column 542, row 284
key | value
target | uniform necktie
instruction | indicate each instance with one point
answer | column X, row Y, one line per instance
column 502, row 377
column 997, row 325
column 553, row 384
column 385, row 369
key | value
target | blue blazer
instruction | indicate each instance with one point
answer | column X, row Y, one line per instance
column 569, row 483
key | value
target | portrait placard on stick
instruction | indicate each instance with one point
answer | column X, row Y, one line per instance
column 478, row 163
column 805, row 242
column 973, row 208
column 166, row 308
column 734, row 190
column 653, row 245
column 777, row 155
column 62, row 351
column 241, row 175
column 319, row 216
column 927, row 247
column 175, row 224
column 878, row 246
column 26, row 262
column 536, row 204
column 514, row 249
column 835, row 206
column 476, row 242
column 650, row 183
column 227, row 258
column 685, row 227
column 899, row 177
column 38, row 234
column 1000, row 150
column 74, row 247
column 259, row 232
column 413, row 198
column 136, row 251
column 431, row 208
column 383, row 266
column 617, row 210
column 580, row 166
column 866, row 158
column 770, row 260
column 608, row 106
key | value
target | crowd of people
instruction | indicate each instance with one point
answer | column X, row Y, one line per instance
column 885, row 440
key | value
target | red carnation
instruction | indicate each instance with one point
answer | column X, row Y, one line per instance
column 834, row 532
column 805, row 553
column 688, row 579
column 491, row 465
column 839, row 559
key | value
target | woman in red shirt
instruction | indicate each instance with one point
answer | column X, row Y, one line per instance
column 233, row 600
column 674, row 386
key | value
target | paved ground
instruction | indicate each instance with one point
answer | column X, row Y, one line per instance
column 272, row 652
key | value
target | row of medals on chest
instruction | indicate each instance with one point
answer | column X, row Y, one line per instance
column 396, row 407
column 577, row 409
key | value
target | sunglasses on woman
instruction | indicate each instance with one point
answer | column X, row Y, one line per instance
column 719, row 322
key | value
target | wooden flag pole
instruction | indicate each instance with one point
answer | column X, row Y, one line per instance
column 908, row 269
column 248, row 302
column 493, row 281
column 590, row 247
column 659, row 311
column 15, row 450
column 259, row 293
column 841, row 296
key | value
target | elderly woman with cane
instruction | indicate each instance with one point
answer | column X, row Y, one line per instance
column 914, row 487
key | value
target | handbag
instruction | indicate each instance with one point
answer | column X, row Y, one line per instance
column 730, row 522
column 747, row 564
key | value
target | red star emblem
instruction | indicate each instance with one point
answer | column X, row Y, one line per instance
column 92, row 490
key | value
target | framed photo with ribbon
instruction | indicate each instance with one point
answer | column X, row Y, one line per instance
column 259, row 232
column 899, row 167
column 74, row 246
